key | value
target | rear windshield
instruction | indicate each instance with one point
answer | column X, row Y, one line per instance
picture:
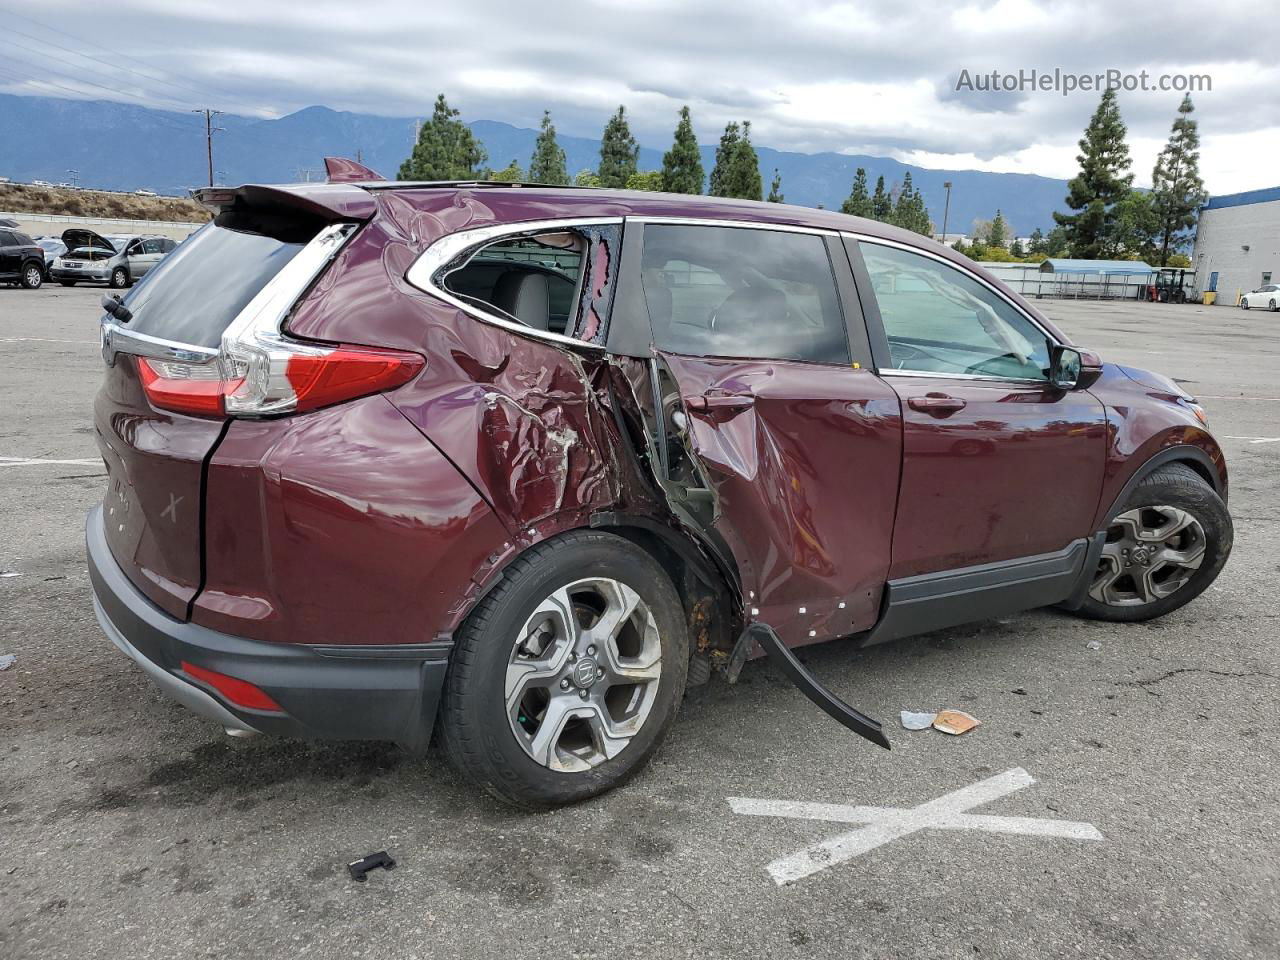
column 199, row 288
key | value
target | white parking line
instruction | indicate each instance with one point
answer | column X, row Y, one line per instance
column 42, row 340
column 39, row 461
column 1257, row 439
column 885, row 824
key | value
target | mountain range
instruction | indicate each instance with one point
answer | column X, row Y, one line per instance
column 123, row 147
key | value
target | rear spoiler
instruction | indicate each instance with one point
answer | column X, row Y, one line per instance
column 329, row 202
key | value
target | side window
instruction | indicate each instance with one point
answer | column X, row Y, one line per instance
column 23, row 239
column 152, row 246
column 530, row 279
column 940, row 320
column 6, row 239
column 737, row 292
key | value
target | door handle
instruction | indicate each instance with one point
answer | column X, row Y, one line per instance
column 718, row 404
column 937, row 404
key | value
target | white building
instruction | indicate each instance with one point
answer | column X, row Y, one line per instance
column 1238, row 243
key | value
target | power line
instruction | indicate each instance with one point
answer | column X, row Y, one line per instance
column 76, row 79
column 203, row 90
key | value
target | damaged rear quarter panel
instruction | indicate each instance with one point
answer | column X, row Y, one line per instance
column 526, row 421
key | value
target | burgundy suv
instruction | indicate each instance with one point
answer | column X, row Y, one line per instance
column 530, row 460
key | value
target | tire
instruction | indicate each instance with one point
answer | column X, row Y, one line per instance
column 119, row 278
column 67, row 283
column 32, row 276
column 1171, row 493
column 1271, row 304
column 495, row 747
column 1244, row 304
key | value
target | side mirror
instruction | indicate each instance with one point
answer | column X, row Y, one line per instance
column 1071, row 368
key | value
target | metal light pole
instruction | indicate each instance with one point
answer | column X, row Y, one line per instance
column 946, row 209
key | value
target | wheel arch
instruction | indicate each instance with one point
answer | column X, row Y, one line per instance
column 1211, row 469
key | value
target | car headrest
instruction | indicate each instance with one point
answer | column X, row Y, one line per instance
column 526, row 296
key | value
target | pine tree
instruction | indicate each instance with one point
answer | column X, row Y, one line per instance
column 548, row 164
column 902, row 205
column 682, row 164
column 725, row 152
column 908, row 210
column 1037, row 242
column 998, row 236
column 858, row 203
column 747, row 167
column 618, row 151
column 1100, row 185
column 1177, row 192
column 881, row 205
column 775, row 188
column 445, row 150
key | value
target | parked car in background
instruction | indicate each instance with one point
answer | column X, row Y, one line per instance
column 53, row 248
column 1266, row 297
column 41, row 183
column 9, row 222
column 118, row 261
column 528, row 460
column 144, row 192
column 21, row 261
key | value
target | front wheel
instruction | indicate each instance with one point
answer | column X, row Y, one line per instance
column 1271, row 305
column 32, row 277
column 1169, row 541
column 119, row 278
column 1244, row 304
column 567, row 676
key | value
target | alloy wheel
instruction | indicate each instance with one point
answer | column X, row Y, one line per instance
column 33, row 278
column 583, row 674
column 1150, row 552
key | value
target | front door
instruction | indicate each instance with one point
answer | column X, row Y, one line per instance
column 998, row 463
column 798, row 441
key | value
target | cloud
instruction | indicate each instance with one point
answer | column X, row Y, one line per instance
column 855, row 77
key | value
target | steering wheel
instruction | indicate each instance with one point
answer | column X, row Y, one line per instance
column 901, row 353
column 981, row 366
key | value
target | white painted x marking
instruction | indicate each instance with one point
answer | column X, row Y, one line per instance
column 885, row 824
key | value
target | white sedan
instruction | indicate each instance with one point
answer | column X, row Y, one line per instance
column 1266, row 297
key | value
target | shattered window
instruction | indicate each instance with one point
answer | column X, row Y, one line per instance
column 533, row 280
column 939, row 319
column 736, row 292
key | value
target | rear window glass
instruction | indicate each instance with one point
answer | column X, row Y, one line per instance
column 195, row 292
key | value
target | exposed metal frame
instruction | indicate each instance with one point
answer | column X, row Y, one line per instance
column 427, row 273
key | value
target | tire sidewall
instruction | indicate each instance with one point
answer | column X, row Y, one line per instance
column 504, row 766
column 27, row 272
column 1204, row 504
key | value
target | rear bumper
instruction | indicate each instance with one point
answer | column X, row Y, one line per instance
column 329, row 692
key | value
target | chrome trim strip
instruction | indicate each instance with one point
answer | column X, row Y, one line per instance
column 117, row 339
column 962, row 376
column 867, row 238
column 422, row 273
column 734, row 224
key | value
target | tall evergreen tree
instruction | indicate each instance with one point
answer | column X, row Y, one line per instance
column 858, row 203
column 682, row 164
column 737, row 169
column 618, row 151
column 909, row 211
column 775, row 188
column 881, row 204
column 445, row 150
column 999, row 233
column 725, row 152
column 1177, row 192
column 1102, row 182
column 548, row 164
column 1037, row 242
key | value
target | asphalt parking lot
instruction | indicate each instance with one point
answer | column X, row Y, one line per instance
column 128, row 827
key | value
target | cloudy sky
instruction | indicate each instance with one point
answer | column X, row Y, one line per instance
column 864, row 77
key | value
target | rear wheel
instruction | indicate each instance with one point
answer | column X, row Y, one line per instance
column 568, row 675
column 1166, row 545
column 32, row 276
column 119, row 278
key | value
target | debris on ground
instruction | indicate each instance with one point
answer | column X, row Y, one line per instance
column 7, row 660
column 955, row 722
column 1020, row 691
column 9, row 573
column 359, row 869
column 917, row 721
column 1094, row 645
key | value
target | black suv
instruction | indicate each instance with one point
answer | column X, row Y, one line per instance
column 21, row 260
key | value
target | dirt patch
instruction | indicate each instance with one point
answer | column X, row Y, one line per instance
column 59, row 201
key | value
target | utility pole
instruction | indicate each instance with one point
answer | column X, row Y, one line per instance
column 209, row 131
column 946, row 210
column 74, row 176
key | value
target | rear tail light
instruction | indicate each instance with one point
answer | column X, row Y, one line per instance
column 259, row 372
column 242, row 693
